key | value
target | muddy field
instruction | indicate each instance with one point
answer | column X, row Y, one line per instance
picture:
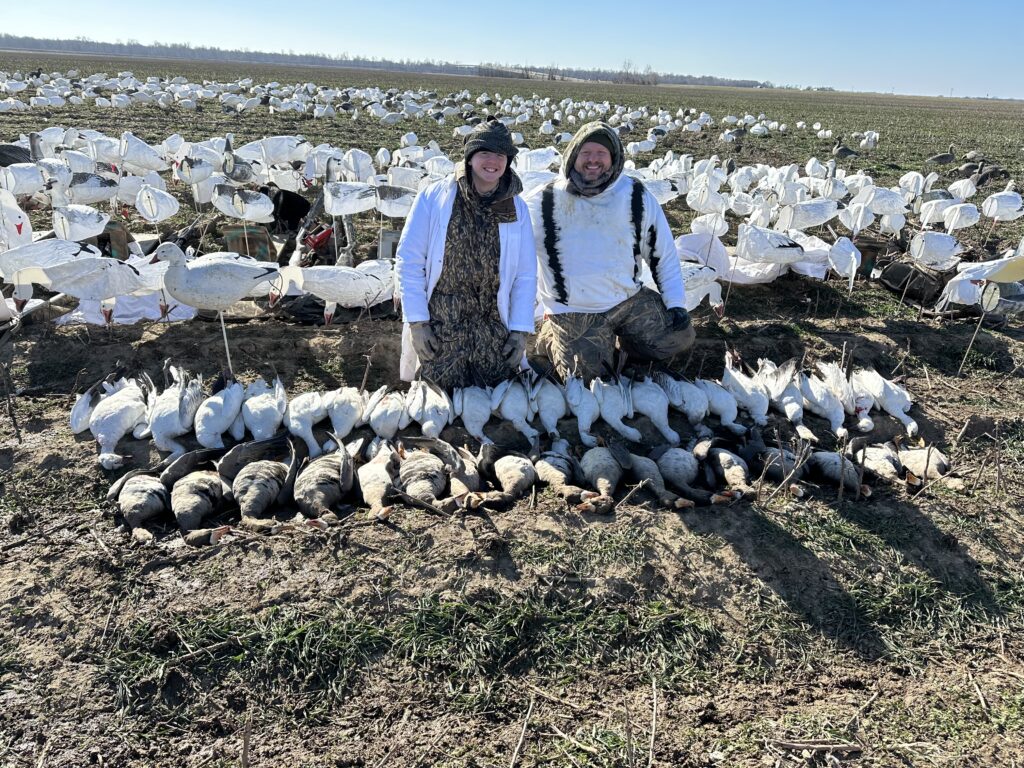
column 877, row 632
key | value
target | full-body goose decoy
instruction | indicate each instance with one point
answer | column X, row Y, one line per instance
column 213, row 284
column 944, row 158
column 842, row 152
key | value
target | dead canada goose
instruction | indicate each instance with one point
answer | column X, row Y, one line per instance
column 643, row 469
column 603, row 468
column 680, row 469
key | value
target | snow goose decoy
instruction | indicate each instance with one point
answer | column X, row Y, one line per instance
column 213, row 284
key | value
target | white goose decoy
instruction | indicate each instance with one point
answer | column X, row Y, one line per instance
column 758, row 244
column 844, row 259
column 784, row 393
column 750, row 394
column 115, row 416
column 888, row 396
column 701, row 281
column 368, row 284
column 936, row 250
column 394, row 202
column 722, row 404
column 473, row 406
column 243, row 204
column 99, row 278
column 15, row 226
column 344, row 409
column 819, row 400
column 78, row 222
column 218, row 413
column 172, row 412
column 213, row 283
column 264, row 407
column 960, row 216
column 303, row 413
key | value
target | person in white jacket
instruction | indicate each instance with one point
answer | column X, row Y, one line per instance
column 466, row 270
column 594, row 226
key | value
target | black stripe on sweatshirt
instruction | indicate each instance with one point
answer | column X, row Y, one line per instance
column 636, row 215
column 547, row 213
column 652, row 246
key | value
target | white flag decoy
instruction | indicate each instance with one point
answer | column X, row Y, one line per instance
column 710, row 224
column 936, row 250
column 807, row 213
column 960, row 216
column 155, row 205
column 347, row 198
column 78, row 222
column 135, row 152
column 856, row 217
column 844, row 258
column 22, row 179
column 1003, row 206
column 394, row 202
column 243, row 204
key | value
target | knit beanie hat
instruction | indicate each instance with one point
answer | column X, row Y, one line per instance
column 604, row 140
column 493, row 136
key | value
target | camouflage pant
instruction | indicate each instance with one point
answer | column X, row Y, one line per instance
column 584, row 342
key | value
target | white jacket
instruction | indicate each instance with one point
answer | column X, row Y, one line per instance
column 591, row 249
column 420, row 256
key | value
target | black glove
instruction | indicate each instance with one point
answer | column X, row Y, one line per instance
column 514, row 348
column 424, row 342
column 678, row 319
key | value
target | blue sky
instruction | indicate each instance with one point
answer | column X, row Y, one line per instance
column 905, row 46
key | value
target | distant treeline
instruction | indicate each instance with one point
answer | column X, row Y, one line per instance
column 133, row 48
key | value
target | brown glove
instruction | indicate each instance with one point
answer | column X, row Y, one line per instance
column 424, row 342
column 515, row 347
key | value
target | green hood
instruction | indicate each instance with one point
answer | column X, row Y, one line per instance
column 585, row 134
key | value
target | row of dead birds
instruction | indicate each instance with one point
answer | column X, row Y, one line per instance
column 261, row 477
column 117, row 406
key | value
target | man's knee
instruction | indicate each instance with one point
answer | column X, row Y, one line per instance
column 677, row 342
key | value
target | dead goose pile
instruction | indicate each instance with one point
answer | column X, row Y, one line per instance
column 441, row 477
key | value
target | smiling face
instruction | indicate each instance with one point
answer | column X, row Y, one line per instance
column 487, row 168
column 593, row 161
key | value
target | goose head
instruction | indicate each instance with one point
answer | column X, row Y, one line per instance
column 169, row 252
